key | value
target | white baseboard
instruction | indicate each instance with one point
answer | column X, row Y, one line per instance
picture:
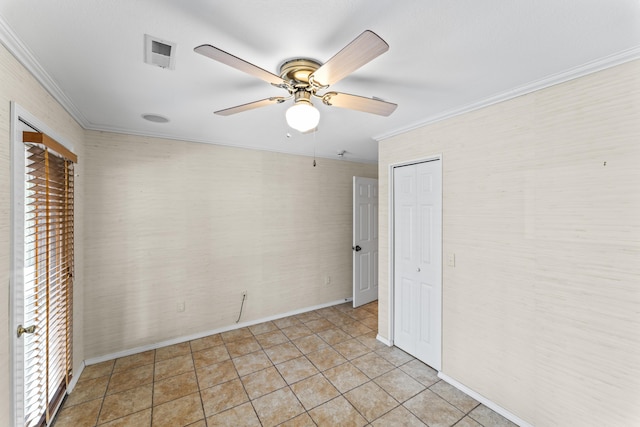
column 486, row 402
column 70, row 387
column 76, row 377
column 130, row 351
column 384, row 340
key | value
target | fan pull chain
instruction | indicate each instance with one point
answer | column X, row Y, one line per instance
column 314, row 148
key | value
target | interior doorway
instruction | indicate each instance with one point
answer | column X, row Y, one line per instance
column 365, row 240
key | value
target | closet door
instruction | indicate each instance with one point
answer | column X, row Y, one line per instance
column 417, row 195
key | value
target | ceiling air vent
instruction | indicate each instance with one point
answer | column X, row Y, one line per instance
column 159, row 52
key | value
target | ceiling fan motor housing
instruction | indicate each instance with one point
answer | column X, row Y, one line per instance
column 298, row 70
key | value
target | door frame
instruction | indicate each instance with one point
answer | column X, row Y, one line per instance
column 391, row 211
column 16, row 277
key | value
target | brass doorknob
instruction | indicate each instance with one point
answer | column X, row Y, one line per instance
column 30, row 330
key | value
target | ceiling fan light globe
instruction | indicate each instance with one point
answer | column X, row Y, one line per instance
column 302, row 116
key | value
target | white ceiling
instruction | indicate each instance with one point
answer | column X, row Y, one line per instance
column 445, row 56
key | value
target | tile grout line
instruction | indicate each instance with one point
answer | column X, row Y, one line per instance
column 370, row 380
column 124, row 391
column 465, row 414
column 287, row 385
column 104, row 396
column 347, row 360
column 195, row 371
column 250, row 401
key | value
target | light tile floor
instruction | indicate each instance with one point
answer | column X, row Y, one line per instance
column 323, row 367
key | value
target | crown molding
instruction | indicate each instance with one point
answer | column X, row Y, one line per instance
column 565, row 76
column 170, row 137
column 19, row 50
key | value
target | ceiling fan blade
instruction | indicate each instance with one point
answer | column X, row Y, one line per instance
column 360, row 103
column 237, row 63
column 250, row 106
column 366, row 47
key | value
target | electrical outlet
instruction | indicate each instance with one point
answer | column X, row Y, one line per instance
column 180, row 307
column 244, row 294
column 327, row 280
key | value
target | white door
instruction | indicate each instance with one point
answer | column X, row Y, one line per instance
column 365, row 240
column 41, row 275
column 417, row 195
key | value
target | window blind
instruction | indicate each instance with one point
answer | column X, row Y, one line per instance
column 48, row 275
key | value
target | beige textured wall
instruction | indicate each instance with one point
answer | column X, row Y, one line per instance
column 17, row 84
column 541, row 313
column 170, row 221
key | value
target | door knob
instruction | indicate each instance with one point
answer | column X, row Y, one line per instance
column 418, row 269
column 356, row 248
column 21, row 330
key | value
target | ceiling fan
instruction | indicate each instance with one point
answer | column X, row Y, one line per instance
column 305, row 79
